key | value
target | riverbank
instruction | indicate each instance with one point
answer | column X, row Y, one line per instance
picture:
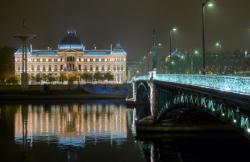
column 60, row 92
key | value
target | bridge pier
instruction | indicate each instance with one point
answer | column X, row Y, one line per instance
column 134, row 89
column 153, row 104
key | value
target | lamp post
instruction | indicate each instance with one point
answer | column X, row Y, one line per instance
column 170, row 39
column 145, row 64
column 195, row 52
column 205, row 3
column 24, row 37
column 154, row 50
column 218, row 56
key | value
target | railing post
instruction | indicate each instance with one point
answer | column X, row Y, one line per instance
column 151, row 83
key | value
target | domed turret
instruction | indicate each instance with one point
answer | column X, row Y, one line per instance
column 118, row 49
column 71, row 42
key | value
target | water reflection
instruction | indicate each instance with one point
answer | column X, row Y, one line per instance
column 96, row 132
column 71, row 125
column 165, row 150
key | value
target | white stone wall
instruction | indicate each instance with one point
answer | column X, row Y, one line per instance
column 114, row 63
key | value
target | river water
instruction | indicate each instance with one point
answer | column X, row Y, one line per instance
column 94, row 131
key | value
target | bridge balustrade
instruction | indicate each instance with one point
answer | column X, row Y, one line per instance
column 232, row 84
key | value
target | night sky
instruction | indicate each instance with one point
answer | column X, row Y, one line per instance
column 129, row 22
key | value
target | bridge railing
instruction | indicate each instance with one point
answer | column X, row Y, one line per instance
column 232, row 84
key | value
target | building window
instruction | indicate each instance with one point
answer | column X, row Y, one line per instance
column 91, row 68
column 49, row 67
column 55, row 68
column 44, row 69
column 85, row 68
column 38, row 68
column 32, row 67
column 61, row 68
column 114, row 68
column 96, row 68
column 50, row 60
column 103, row 68
column 108, row 67
column 121, row 67
column 70, row 67
column 44, row 60
column 38, row 60
column 79, row 67
column 70, row 59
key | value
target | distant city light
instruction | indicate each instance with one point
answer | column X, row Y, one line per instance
column 210, row 4
column 174, row 29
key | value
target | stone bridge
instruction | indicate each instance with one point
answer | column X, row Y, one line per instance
column 227, row 98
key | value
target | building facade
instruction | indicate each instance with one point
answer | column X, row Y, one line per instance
column 71, row 56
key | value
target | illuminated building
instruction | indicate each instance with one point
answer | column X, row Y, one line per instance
column 71, row 56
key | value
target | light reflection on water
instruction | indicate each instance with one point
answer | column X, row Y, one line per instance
column 96, row 131
column 71, row 125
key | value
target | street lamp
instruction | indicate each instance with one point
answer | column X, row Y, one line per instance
column 174, row 29
column 205, row 3
column 218, row 45
column 195, row 52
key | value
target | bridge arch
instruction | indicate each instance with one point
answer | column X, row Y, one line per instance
column 142, row 100
column 176, row 96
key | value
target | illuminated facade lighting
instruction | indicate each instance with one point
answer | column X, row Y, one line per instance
column 71, row 55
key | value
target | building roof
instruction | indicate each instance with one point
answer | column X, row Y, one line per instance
column 118, row 49
column 71, row 41
column 20, row 51
column 97, row 52
column 44, row 52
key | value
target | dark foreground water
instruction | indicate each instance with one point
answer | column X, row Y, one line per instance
column 97, row 131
